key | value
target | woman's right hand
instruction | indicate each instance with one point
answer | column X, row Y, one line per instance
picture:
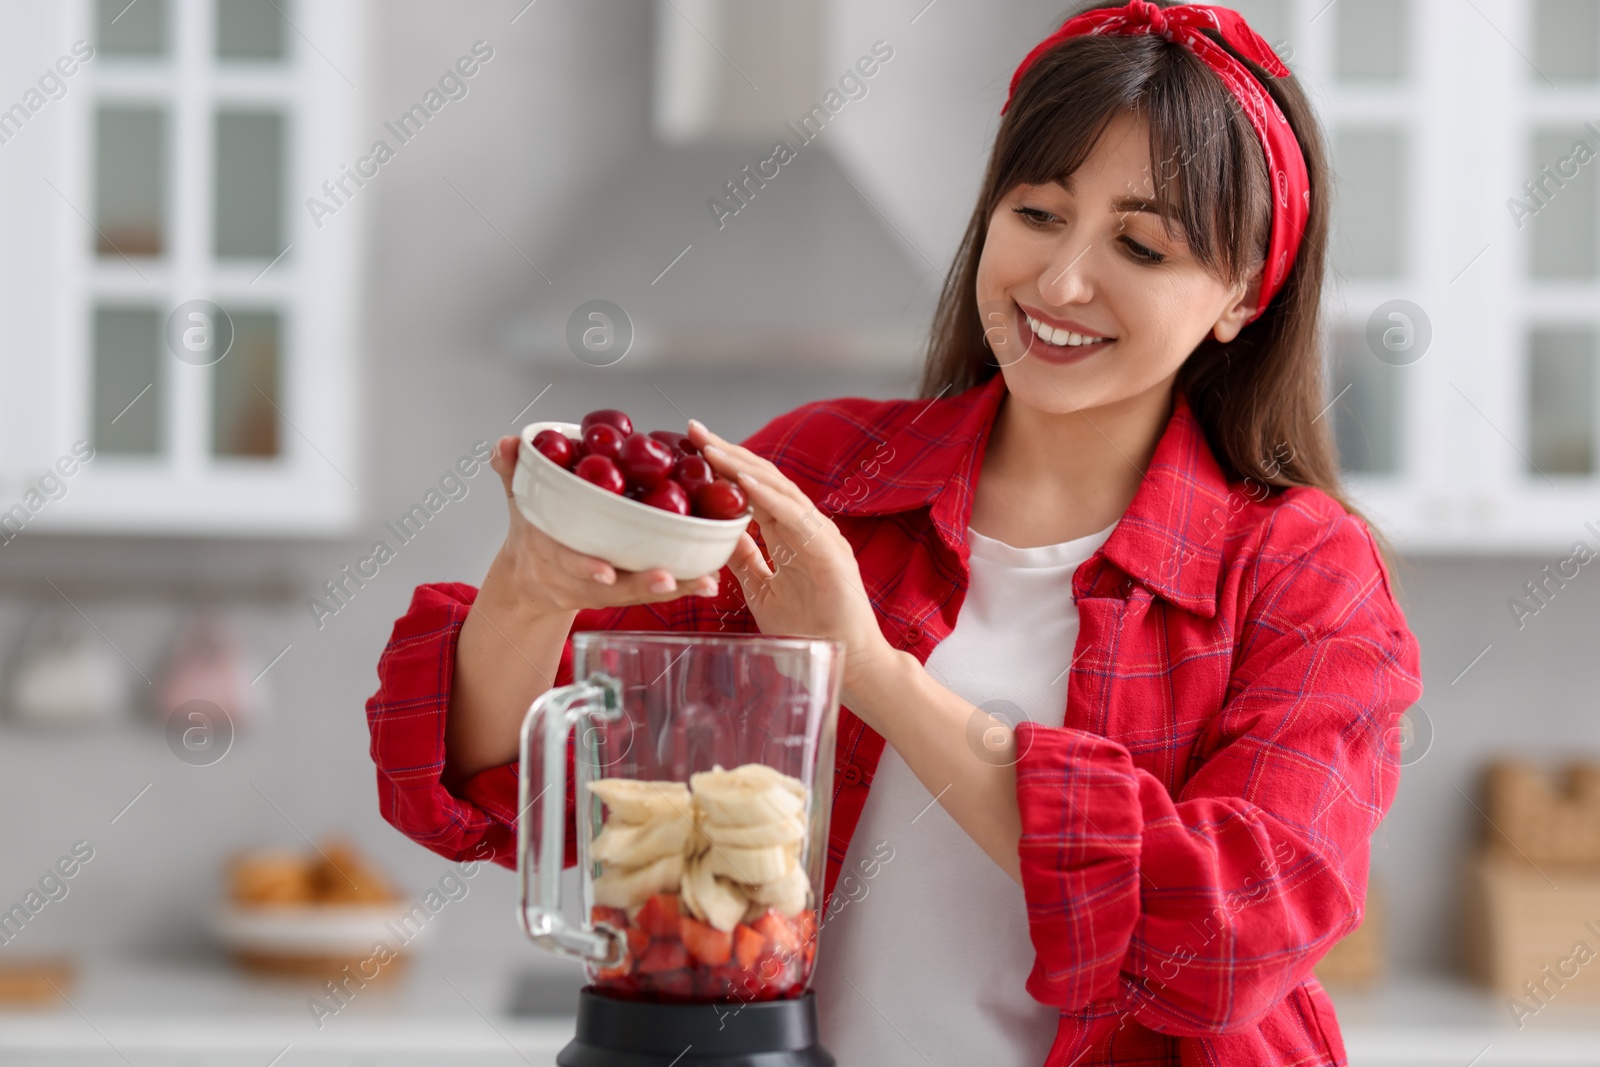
column 550, row 578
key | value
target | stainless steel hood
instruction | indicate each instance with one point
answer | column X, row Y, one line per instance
column 723, row 248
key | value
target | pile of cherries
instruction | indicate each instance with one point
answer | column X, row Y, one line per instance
column 661, row 468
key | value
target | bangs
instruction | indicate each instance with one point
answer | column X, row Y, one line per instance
column 1208, row 173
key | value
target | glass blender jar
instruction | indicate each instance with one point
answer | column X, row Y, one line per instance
column 703, row 768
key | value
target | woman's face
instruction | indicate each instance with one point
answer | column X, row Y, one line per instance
column 1092, row 258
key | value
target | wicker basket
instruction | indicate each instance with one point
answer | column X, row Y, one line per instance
column 1528, row 924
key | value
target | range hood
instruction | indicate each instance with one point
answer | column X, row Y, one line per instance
column 723, row 249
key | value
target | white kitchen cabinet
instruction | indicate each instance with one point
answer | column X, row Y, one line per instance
column 1437, row 113
column 168, row 164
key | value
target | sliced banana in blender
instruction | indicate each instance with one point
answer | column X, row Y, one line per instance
column 712, row 899
column 751, row 866
column 634, row 800
column 621, row 887
column 762, row 772
column 742, row 798
column 788, row 888
column 636, row 844
column 788, row 831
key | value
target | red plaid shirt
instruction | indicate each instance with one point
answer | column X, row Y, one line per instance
column 1194, row 837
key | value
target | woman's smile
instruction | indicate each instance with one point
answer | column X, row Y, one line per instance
column 1055, row 342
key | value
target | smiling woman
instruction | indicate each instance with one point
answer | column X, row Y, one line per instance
column 1114, row 510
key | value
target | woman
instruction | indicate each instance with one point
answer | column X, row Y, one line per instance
column 1108, row 621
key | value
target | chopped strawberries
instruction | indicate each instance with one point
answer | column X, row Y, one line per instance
column 748, row 945
column 708, row 946
column 672, row 956
column 659, row 916
column 779, row 932
column 663, row 955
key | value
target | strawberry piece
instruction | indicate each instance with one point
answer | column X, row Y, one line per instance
column 638, row 943
column 779, row 932
column 806, row 926
column 616, row 917
column 663, row 955
column 748, row 945
column 706, row 944
column 659, row 916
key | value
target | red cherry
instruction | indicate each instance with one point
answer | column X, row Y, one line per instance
column 645, row 460
column 602, row 439
column 602, row 472
column 720, row 499
column 608, row 417
column 557, row 447
column 679, row 441
column 692, row 472
column 668, row 496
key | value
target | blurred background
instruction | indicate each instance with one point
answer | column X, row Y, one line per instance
column 269, row 269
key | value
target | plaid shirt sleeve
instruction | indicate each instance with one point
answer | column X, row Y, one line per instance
column 406, row 718
column 1197, row 913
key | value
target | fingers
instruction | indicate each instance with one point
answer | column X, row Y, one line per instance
column 747, row 559
column 577, row 580
column 726, row 457
column 503, row 461
column 799, row 519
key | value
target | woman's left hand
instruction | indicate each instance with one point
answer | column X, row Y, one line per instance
column 812, row 586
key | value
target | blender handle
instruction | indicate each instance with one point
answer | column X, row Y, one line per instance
column 551, row 716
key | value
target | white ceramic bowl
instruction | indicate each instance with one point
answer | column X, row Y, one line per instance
column 627, row 534
column 313, row 929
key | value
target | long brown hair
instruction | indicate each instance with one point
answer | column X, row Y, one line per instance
column 1259, row 396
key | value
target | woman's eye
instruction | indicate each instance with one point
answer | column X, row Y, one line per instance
column 1141, row 253
column 1033, row 216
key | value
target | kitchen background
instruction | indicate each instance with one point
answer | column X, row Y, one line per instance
column 390, row 323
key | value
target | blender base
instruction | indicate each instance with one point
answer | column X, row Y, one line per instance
column 613, row 1032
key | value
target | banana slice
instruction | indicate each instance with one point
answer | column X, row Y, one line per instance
column 783, row 890
column 761, row 772
column 686, row 895
column 751, row 866
column 789, row 831
column 637, row 801
column 637, row 844
column 744, row 797
column 621, row 887
column 712, row 899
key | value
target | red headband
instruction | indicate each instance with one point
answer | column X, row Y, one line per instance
column 1291, row 200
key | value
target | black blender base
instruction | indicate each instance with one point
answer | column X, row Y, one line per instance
column 613, row 1032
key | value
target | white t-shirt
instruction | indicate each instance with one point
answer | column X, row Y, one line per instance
column 927, row 962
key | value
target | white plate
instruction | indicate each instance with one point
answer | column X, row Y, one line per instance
column 319, row 929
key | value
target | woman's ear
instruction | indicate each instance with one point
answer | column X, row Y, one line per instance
column 1238, row 313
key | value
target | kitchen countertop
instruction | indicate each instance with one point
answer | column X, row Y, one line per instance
column 209, row 1012
column 206, row 1012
